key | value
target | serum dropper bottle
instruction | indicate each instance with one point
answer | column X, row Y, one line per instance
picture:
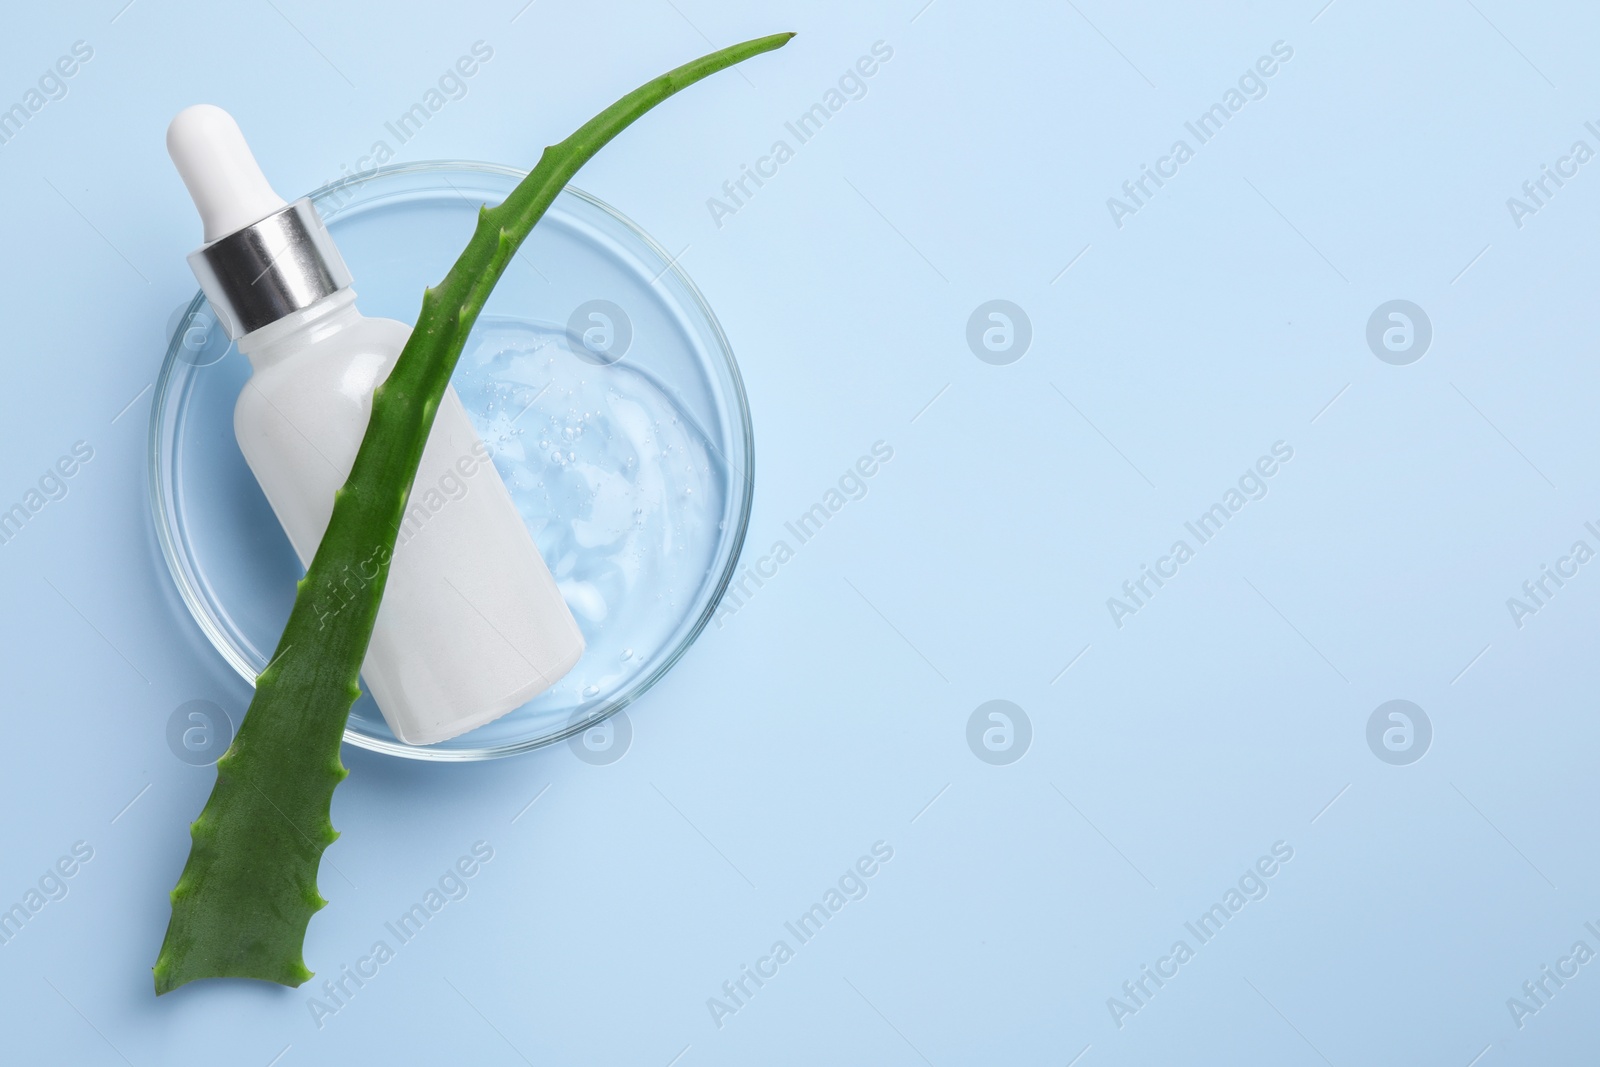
column 472, row 624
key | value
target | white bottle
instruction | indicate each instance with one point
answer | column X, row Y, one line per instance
column 471, row 625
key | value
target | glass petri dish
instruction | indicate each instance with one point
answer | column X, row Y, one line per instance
column 600, row 381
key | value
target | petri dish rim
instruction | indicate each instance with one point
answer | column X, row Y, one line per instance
column 685, row 302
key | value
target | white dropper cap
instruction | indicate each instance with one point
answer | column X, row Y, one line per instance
column 224, row 180
column 262, row 258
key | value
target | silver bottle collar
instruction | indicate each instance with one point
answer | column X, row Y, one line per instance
column 269, row 269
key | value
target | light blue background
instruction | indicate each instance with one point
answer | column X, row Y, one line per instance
column 1227, row 314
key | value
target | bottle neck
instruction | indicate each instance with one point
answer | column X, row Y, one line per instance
column 301, row 329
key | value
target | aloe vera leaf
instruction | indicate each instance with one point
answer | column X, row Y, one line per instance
column 249, row 888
